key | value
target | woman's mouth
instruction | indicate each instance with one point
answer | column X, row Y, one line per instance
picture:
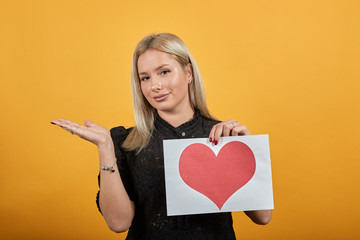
column 160, row 97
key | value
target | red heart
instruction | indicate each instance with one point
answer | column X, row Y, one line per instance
column 217, row 177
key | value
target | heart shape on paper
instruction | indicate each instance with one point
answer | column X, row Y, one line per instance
column 217, row 177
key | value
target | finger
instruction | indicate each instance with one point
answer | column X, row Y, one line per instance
column 245, row 132
column 73, row 124
column 89, row 123
column 69, row 126
column 227, row 127
column 61, row 122
column 212, row 132
column 235, row 129
column 217, row 133
column 240, row 130
column 56, row 122
column 69, row 123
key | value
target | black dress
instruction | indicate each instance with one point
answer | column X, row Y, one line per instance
column 144, row 180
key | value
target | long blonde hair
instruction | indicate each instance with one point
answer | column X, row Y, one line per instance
column 140, row 135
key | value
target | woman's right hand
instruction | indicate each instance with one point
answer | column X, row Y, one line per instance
column 91, row 132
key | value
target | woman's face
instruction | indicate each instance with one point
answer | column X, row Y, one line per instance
column 164, row 82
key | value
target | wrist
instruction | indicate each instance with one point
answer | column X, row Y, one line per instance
column 106, row 144
column 109, row 167
column 106, row 152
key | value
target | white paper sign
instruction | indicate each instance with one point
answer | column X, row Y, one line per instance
column 234, row 175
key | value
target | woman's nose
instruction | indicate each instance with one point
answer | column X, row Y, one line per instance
column 156, row 84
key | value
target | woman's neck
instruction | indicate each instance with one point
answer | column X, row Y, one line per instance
column 175, row 119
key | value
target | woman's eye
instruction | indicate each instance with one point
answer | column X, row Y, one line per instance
column 165, row 72
column 144, row 78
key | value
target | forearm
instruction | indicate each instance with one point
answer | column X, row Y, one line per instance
column 261, row 217
column 116, row 207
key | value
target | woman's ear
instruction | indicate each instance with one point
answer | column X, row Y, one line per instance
column 189, row 73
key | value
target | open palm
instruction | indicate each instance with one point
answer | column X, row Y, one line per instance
column 91, row 132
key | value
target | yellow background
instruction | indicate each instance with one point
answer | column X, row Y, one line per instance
column 286, row 68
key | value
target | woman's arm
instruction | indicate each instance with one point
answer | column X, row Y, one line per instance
column 233, row 128
column 261, row 217
column 118, row 210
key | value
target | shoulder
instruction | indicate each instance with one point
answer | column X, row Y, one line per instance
column 120, row 131
column 119, row 134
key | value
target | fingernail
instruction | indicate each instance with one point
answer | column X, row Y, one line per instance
column 210, row 139
column 216, row 142
column 52, row 123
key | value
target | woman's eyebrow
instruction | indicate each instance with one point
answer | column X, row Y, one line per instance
column 159, row 67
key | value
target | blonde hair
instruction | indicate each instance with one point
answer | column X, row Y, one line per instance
column 169, row 43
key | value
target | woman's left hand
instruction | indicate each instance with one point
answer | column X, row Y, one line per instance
column 227, row 128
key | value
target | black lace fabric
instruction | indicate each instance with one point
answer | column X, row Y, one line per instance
column 144, row 180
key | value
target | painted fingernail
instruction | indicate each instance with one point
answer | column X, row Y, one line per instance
column 52, row 123
column 216, row 142
column 210, row 139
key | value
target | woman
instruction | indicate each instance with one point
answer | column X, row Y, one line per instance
column 169, row 103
